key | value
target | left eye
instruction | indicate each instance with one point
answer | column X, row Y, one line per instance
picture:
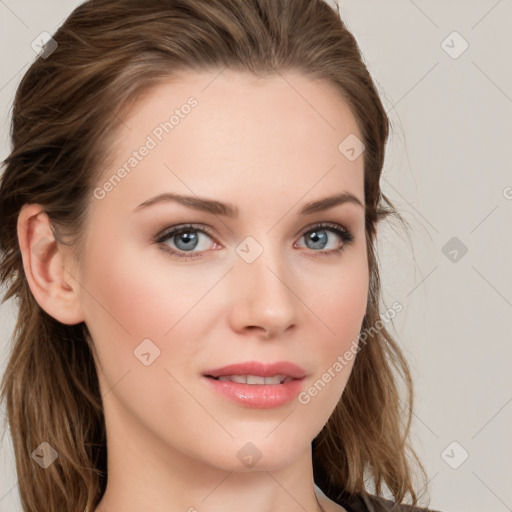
column 187, row 238
column 318, row 235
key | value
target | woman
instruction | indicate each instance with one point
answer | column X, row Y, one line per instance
column 188, row 218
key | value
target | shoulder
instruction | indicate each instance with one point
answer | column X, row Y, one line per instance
column 371, row 503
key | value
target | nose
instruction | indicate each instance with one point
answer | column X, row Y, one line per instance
column 263, row 299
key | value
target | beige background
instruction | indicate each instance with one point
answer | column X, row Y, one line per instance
column 447, row 170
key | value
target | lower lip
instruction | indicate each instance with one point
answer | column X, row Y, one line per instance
column 257, row 396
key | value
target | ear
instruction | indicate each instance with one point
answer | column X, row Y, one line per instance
column 45, row 262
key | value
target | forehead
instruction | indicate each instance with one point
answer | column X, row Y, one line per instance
column 235, row 135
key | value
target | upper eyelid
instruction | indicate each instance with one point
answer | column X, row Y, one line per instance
column 183, row 227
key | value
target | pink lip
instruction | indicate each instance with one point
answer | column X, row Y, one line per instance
column 258, row 396
column 259, row 369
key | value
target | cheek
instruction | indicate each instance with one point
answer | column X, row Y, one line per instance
column 139, row 295
column 340, row 302
column 129, row 302
column 341, row 306
column 130, row 297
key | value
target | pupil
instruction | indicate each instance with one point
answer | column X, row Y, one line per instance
column 187, row 238
column 318, row 240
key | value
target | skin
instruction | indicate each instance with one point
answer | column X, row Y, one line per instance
column 268, row 148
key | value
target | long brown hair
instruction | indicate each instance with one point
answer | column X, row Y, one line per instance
column 66, row 111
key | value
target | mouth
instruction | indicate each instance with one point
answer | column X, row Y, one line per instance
column 256, row 384
column 257, row 380
column 257, row 372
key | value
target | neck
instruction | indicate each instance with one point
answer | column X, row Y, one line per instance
column 148, row 475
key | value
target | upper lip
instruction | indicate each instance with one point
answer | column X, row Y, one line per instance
column 258, row 368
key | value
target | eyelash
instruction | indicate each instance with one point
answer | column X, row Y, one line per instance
column 342, row 232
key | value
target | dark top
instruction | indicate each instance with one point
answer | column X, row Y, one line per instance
column 370, row 503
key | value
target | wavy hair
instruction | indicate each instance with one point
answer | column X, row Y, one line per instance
column 65, row 114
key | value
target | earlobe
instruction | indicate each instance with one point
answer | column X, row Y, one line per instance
column 44, row 262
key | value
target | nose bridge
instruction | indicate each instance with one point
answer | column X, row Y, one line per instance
column 263, row 289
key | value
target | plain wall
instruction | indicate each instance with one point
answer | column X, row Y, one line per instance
column 447, row 171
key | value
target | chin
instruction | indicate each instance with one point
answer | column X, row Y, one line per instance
column 255, row 453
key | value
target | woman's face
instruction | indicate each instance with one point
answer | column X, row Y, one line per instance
column 261, row 284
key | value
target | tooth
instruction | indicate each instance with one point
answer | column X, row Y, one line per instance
column 274, row 380
column 255, row 379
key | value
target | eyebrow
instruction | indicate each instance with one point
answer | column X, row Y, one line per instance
column 230, row 210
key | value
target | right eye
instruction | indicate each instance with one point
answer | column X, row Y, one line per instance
column 185, row 239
